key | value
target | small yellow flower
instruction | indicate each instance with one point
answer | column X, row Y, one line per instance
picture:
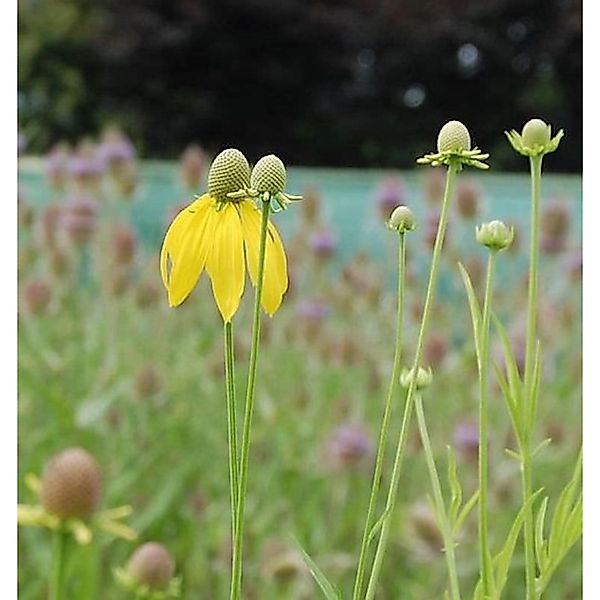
column 222, row 235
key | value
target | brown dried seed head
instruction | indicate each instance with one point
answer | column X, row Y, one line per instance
column 71, row 485
column 151, row 565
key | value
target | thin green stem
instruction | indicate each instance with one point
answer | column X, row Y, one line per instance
column 236, row 576
column 532, row 310
column 383, row 432
column 57, row 572
column 485, row 559
column 438, row 498
column 400, row 449
column 231, row 423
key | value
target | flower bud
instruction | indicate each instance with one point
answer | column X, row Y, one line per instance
column 71, row 485
column 151, row 565
column 402, row 220
column 37, row 295
column 535, row 133
column 495, row 235
column 453, row 137
column 424, row 377
column 268, row 175
column 228, row 173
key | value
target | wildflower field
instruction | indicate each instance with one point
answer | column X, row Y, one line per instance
column 106, row 365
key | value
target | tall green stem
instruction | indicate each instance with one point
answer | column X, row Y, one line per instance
column 532, row 310
column 485, row 559
column 236, row 576
column 383, row 432
column 429, row 297
column 231, row 423
column 57, row 572
column 438, row 498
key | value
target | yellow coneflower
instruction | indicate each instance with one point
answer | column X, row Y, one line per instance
column 222, row 235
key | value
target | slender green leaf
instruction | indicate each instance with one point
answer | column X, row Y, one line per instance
column 513, row 454
column 466, row 509
column 474, row 307
column 535, row 388
column 375, row 529
column 511, row 405
column 503, row 559
column 540, row 544
column 514, row 378
column 544, row 444
column 329, row 590
column 455, row 487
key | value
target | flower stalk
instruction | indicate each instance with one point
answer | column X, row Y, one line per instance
column 231, row 422
column 385, row 422
column 236, row 576
column 454, row 166
column 485, row 558
column 530, row 349
column 57, row 572
column 438, row 498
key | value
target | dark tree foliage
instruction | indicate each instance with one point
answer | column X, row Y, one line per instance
column 356, row 83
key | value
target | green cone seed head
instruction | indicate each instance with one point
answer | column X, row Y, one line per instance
column 453, row 136
column 71, row 485
column 228, row 173
column 495, row 235
column 424, row 377
column 402, row 219
column 151, row 565
column 268, row 175
column 535, row 133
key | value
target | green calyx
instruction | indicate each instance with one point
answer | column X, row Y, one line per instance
column 228, row 173
column 454, row 147
column 535, row 138
column 130, row 585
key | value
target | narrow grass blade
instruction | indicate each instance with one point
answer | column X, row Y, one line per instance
column 330, row 592
column 474, row 307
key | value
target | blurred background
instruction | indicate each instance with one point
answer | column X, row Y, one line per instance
column 122, row 106
column 324, row 83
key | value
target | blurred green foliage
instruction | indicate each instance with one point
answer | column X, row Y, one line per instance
column 349, row 82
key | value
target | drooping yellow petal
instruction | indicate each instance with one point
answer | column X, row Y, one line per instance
column 225, row 264
column 276, row 280
column 251, row 218
column 185, row 249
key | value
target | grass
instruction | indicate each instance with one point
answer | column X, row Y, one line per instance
column 166, row 452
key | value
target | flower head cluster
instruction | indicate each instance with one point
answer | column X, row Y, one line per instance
column 402, row 220
column 495, row 235
column 220, row 232
column 70, row 492
column 454, row 147
column 535, row 139
column 424, row 378
column 267, row 182
column 149, row 574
